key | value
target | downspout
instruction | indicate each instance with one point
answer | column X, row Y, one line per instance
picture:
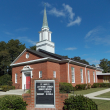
column 68, row 73
column 85, row 74
column 96, row 75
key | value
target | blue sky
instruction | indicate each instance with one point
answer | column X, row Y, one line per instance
column 79, row 27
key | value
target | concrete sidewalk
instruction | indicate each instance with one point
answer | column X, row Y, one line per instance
column 14, row 92
column 92, row 95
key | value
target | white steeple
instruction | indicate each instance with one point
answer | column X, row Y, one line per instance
column 45, row 37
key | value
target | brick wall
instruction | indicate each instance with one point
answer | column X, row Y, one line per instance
column 78, row 74
column 59, row 98
column 27, row 98
column 64, row 72
column 31, row 57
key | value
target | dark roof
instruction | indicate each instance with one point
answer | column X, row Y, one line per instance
column 44, row 54
column 38, row 53
column 52, row 54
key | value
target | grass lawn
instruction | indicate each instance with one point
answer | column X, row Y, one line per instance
column 102, row 104
column 82, row 92
column 105, row 95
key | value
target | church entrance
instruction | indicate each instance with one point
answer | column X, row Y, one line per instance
column 28, row 82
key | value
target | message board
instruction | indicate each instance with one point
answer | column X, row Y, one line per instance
column 45, row 92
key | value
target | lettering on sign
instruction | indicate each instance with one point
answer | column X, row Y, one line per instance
column 45, row 93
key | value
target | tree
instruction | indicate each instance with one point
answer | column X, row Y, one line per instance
column 105, row 65
column 33, row 47
column 78, row 59
column 8, row 53
column 93, row 65
column 4, row 58
column 14, row 48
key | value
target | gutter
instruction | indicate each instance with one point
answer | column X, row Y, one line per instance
column 37, row 60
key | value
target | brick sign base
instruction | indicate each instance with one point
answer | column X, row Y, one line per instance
column 30, row 98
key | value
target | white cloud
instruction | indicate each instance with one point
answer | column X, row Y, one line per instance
column 71, row 48
column 107, row 51
column 98, row 36
column 56, row 12
column 27, row 40
column 95, row 61
column 8, row 33
column 84, row 55
column 22, row 29
column 66, row 11
column 92, row 32
column 92, row 61
column 86, row 46
column 69, row 10
column 47, row 4
column 77, row 21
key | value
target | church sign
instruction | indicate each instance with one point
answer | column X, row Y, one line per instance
column 44, row 93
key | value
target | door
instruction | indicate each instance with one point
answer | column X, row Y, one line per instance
column 27, row 82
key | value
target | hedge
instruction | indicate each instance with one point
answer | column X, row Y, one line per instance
column 12, row 102
column 79, row 102
column 65, row 87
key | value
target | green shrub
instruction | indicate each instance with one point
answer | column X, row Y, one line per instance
column 12, row 102
column 95, row 85
column 88, row 86
column 81, row 86
column 65, row 87
column 79, row 102
column 4, row 80
column 10, row 83
column 29, row 91
column 7, row 88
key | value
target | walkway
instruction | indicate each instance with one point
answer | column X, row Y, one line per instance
column 92, row 95
column 13, row 92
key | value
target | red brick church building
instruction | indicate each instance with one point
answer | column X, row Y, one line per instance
column 44, row 63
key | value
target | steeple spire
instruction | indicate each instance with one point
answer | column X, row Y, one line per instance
column 45, row 23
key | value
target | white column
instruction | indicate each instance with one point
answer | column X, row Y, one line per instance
column 39, row 36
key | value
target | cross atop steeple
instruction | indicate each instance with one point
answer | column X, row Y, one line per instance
column 45, row 23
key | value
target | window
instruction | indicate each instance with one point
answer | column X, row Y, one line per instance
column 16, row 78
column 73, row 75
column 27, row 55
column 88, row 76
column 54, row 74
column 93, row 76
column 81, row 72
column 40, row 74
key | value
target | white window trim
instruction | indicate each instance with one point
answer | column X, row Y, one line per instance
column 40, row 72
column 81, row 72
column 15, row 77
column 54, row 74
column 88, row 76
column 94, row 76
column 73, row 73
